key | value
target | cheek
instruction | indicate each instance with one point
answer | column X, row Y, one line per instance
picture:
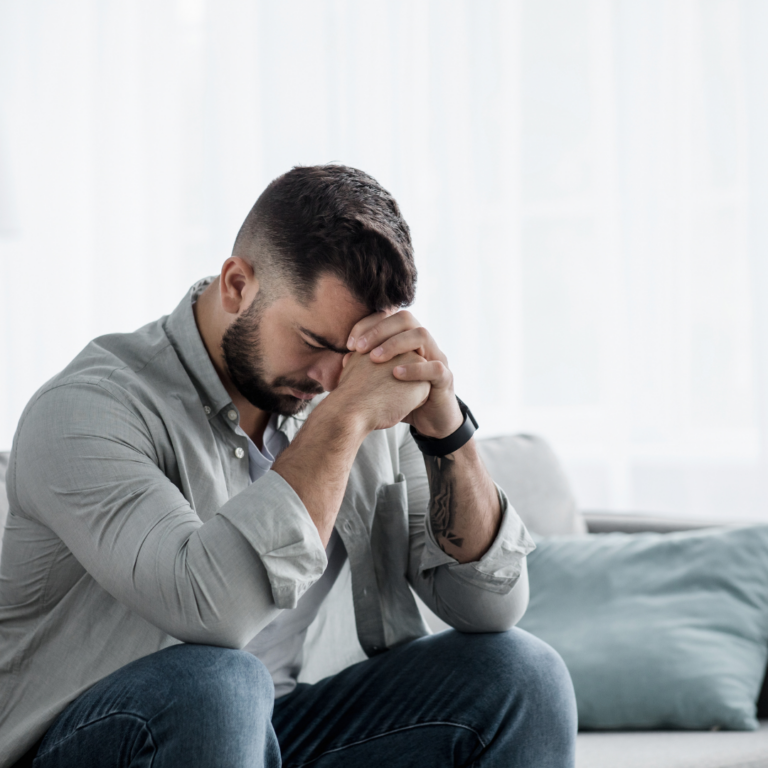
column 284, row 356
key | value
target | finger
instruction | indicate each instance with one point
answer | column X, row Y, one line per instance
column 361, row 327
column 432, row 371
column 384, row 329
column 345, row 359
column 414, row 340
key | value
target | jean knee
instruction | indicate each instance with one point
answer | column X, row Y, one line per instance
column 540, row 677
column 229, row 675
column 190, row 704
column 217, row 683
column 533, row 692
column 522, row 672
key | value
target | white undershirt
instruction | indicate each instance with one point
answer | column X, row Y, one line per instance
column 280, row 644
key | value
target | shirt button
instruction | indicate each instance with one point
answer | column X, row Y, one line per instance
column 348, row 527
column 232, row 415
column 207, row 409
column 239, row 452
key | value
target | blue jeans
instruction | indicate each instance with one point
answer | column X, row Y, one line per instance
column 487, row 700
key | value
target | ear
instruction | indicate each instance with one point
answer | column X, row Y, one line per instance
column 238, row 285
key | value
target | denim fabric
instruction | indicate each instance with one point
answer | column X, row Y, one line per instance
column 500, row 700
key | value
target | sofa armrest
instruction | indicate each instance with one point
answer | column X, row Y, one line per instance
column 636, row 522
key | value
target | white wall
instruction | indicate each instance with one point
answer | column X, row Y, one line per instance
column 585, row 181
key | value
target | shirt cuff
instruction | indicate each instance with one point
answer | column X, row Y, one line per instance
column 277, row 525
column 499, row 568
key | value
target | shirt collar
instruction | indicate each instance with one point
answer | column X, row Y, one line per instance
column 181, row 328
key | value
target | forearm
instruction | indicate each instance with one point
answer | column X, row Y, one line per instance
column 318, row 462
column 464, row 508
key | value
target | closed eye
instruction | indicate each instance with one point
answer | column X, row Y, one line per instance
column 320, row 342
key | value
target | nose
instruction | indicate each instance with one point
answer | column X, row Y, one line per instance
column 326, row 370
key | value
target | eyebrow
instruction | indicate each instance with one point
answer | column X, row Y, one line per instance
column 323, row 342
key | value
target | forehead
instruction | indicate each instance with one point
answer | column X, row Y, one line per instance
column 331, row 313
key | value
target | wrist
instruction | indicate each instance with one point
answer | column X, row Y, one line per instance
column 350, row 420
column 447, row 426
column 444, row 446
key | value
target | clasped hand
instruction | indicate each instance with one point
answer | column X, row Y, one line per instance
column 380, row 340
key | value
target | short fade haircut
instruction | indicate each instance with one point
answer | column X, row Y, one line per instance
column 330, row 220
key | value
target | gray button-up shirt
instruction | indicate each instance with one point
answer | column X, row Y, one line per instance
column 133, row 525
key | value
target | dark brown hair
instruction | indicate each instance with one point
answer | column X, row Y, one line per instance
column 331, row 219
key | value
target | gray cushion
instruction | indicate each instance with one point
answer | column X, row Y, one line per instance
column 533, row 479
column 657, row 630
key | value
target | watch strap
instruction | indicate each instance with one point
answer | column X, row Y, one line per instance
column 434, row 446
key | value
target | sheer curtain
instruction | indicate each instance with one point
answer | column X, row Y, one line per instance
column 586, row 182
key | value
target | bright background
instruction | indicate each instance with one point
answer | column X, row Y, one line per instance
column 586, row 182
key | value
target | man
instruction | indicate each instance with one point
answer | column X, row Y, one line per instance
column 182, row 492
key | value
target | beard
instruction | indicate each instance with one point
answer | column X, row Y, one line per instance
column 241, row 345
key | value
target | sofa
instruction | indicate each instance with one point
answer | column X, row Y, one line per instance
column 537, row 486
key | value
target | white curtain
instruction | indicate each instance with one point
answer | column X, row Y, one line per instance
column 586, row 182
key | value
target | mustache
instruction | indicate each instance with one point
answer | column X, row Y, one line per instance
column 304, row 387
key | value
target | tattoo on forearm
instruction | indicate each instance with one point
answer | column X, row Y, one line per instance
column 442, row 511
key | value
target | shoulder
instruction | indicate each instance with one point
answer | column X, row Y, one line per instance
column 129, row 355
column 107, row 382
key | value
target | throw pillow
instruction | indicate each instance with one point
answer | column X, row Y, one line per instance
column 535, row 483
column 657, row 630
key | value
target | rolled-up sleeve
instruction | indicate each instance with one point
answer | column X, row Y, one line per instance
column 105, row 495
column 487, row 595
column 499, row 568
column 279, row 528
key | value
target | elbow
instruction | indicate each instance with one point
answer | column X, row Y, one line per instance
column 488, row 611
column 224, row 629
column 507, row 612
column 514, row 605
column 222, row 636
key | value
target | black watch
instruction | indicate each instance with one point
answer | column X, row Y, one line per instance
column 433, row 446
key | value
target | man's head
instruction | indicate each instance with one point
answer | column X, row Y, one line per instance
column 326, row 245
